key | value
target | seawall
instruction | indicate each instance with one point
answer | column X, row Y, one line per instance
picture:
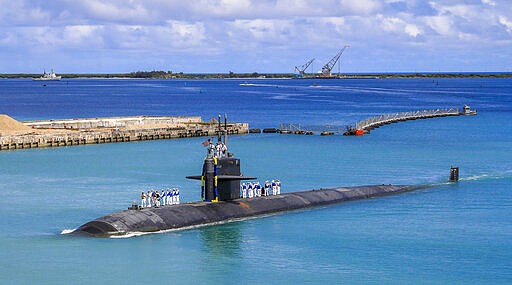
column 204, row 213
column 55, row 133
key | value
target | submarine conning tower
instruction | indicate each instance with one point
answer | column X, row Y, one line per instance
column 221, row 175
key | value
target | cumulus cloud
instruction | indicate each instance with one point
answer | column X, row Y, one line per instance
column 443, row 24
column 129, row 11
column 489, row 2
column 398, row 25
column 278, row 30
column 506, row 22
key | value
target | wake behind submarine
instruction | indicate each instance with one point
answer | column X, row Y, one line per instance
column 221, row 202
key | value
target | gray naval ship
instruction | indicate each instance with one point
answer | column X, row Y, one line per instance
column 221, row 202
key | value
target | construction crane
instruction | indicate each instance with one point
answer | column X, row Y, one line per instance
column 327, row 68
column 300, row 71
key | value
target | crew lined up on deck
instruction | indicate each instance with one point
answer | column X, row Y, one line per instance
column 254, row 189
column 155, row 198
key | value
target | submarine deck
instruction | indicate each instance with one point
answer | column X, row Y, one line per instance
column 203, row 213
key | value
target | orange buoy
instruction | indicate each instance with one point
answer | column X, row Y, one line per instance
column 359, row 132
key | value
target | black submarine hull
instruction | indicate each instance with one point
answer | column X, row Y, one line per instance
column 203, row 213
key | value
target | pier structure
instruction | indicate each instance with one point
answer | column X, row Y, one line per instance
column 287, row 128
column 54, row 133
column 365, row 126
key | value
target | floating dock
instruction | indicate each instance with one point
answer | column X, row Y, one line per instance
column 204, row 213
column 54, row 133
column 365, row 126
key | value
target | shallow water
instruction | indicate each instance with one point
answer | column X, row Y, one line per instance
column 449, row 233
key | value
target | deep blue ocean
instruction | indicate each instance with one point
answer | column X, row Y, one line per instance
column 447, row 234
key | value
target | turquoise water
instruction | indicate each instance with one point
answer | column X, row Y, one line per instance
column 449, row 233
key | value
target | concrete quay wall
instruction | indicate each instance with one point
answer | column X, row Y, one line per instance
column 114, row 122
column 113, row 130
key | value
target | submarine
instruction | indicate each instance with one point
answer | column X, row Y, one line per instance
column 221, row 202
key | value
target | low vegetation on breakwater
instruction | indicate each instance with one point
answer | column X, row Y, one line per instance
column 158, row 74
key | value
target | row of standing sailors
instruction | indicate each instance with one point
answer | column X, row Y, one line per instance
column 251, row 190
column 156, row 198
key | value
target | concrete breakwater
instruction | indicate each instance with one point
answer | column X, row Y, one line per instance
column 365, row 126
column 204, row 213
column 54, row 133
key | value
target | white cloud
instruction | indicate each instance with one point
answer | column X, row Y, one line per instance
column 360, row 7
column 76, row 37
column 506, row 22
column 14, row 13
column 79, row 34
column 263, row 29
column 226, row 7
column 398, row 25
column 489, row 2
column 107, row 11
column 443, row 25
column 461, row 10
column 186, row 34
column 412, row 30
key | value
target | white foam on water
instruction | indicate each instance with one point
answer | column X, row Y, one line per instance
column 485, row 177
column 477, row 177
column 190, row 88
column 264, row 85
column 67, row 231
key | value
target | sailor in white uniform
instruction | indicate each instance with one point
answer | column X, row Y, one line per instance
column 257, row 187
column 174, row 196
column 266, row 187
column 218, row 149
column 223, row 150
column 150, row 197
column 168, row 197
column 250, row 191
column 274, row 187
column 211, row 148
column 177, row 195
column 153, row 198
column 143, row 199
column 157, row 198
column 244, row 190
column 278, row 184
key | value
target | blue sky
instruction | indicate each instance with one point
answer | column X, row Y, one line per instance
column 102, row 36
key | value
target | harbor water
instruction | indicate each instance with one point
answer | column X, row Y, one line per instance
column 447, row 234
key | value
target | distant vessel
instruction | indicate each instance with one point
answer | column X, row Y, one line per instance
column 48, row 76
column 467, row 111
